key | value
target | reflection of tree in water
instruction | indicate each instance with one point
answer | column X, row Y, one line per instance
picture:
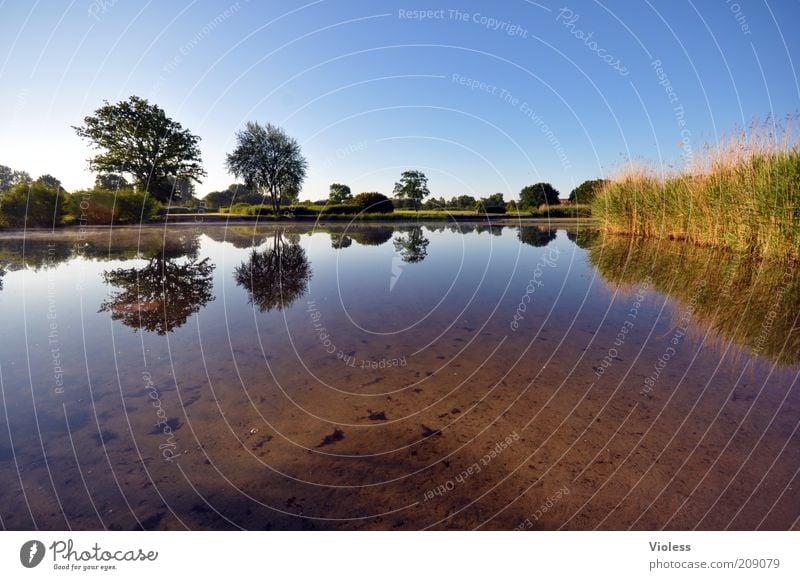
column 340, row 241
column 413, row 246
column 371, row 236
column 160, row 296
column 583, row 237
column 495, row 230
column 536, row 236
column 277, row 276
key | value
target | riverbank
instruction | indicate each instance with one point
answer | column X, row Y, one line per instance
column 742, row 194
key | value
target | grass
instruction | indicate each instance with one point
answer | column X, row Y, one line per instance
column 742, row 194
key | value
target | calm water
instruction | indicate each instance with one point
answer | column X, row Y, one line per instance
column 445, row 377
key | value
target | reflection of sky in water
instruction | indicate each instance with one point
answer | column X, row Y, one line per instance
column 447, row 317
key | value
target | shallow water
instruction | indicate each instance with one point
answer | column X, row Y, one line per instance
column 394, row 377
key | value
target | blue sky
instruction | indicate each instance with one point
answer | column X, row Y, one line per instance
column 482, row 96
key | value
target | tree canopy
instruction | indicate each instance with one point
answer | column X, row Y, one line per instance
column 10, row 177
column 586, row 191
column 268, row 160
column 532, row 196
column 137, row 138
column 339, row 193
column 412, row 185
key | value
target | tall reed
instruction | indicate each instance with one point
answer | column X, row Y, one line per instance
column 742, row 193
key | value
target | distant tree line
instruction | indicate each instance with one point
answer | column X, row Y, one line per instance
column 145, row 160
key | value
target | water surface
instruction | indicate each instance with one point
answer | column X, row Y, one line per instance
column 444, row 376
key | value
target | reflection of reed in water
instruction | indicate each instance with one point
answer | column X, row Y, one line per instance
column 277, row 276
column 753, row 303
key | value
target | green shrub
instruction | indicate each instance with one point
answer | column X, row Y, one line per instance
column 373, row 202
column 104, row 207
column 33, row 205
column 341, row 209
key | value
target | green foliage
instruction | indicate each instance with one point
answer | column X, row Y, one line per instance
column 587, row 191
column 50, row 181
column 33, row 205
column 137, row 138
column 412, row 185
column 532, row 196
column 339, row 193
column 269, row 161
column 110, row 182
column 9, row 178
column 492, row 204
column 373, row 202
column 104, row 207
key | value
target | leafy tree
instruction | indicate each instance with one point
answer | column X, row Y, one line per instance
column 373, row 202
column 33, row 205
column 110, row 182
column 462, row 202
column 492, row 204
column 160, row 296
column 138, row 138
column 412, row 247
column 339, row 193
column 532, row 196
column 587, row 191
column 50, row 181
column 434, row 204
column 274, row 278
column 9, row 178
column 412, row 185
column 269, row 161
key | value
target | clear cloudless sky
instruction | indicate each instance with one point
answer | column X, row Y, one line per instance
column 482, row 96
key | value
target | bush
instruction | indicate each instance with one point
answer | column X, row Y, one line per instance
column 104, row 207
column 240, row 209
column 341, row 209
column 373, row 202
column 303, row 210
column 33, row 205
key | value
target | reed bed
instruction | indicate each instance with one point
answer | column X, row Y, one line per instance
column 742, row 194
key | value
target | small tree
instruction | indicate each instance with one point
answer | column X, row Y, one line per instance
column 412, row 185
column 339, row 193
column 9, row 178
column 50, row 181
column 268, row 160
column 532, row 196
column 138, row 138
column 586, row 191
column 373, row 202
column 32, row 205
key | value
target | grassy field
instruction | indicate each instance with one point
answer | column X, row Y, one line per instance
column 742, row 194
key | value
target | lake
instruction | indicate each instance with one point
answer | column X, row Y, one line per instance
column 398, row 376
